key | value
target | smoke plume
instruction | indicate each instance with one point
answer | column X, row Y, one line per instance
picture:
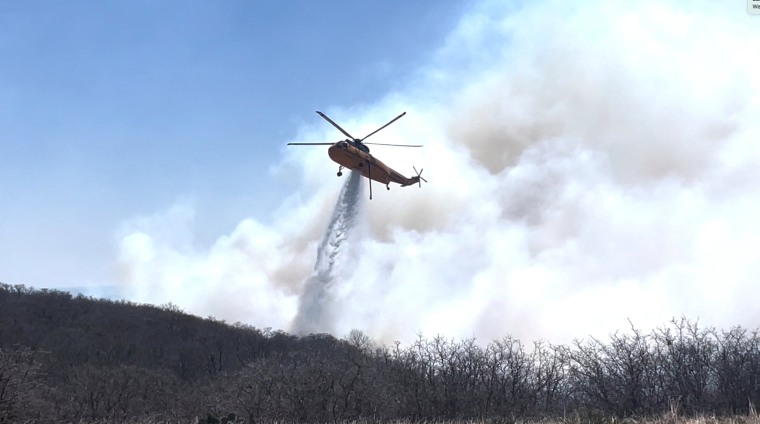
column 589, row 163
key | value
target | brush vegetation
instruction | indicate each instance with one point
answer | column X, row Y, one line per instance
column 66, row 358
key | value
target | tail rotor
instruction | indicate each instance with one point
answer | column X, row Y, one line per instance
column 419, row 176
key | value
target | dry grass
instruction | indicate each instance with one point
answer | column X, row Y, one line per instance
column 666, row 419
column 671, row 417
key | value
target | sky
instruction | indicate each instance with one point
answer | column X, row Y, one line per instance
column 112, row 111
column 589, row 165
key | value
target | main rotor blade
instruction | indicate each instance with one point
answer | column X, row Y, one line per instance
column 336, row 125
column 396, row 145
column 310, row 144
column 392, row 121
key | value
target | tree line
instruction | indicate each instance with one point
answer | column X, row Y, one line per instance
column 75, row 358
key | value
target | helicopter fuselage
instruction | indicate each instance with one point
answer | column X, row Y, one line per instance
column 347, row 155
column 351, row 153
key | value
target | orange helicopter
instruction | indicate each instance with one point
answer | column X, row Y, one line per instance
column 353, row 154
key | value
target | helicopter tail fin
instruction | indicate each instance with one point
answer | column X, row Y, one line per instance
column 417, row 179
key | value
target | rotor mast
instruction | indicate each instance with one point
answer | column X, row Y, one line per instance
column 359, row 142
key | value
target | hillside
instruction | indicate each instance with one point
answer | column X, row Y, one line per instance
column 81, row 330
column 67, row 358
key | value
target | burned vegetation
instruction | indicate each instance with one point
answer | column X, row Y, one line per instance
column 66, row 358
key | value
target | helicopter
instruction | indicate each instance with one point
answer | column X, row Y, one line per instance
column 353, row 154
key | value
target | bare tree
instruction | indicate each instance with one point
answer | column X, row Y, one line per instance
column 19, row 371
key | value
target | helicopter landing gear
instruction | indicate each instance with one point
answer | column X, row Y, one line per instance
column 340, row 168
column 388, row 186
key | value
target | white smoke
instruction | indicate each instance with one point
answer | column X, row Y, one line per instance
column 588, row 163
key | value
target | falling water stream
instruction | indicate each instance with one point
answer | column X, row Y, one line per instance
column 315, row 309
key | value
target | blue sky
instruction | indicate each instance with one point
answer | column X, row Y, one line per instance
column 111, row 110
